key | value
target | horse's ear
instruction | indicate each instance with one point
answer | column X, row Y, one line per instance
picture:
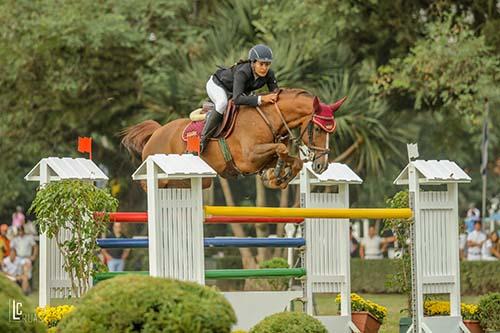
column 316, row 104
column 335, row 106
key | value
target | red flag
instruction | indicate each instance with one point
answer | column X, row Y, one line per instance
column 85, row 145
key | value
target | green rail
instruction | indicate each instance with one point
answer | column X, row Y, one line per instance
column 225, row 273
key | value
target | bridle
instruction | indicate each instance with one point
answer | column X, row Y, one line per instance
column 309, row 152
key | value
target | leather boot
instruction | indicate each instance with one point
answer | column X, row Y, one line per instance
column 212, row 122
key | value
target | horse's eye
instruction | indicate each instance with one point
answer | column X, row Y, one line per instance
column 316, row 129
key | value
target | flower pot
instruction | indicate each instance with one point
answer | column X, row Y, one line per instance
column 366, row 322
column 473, row 326
column 404, row 324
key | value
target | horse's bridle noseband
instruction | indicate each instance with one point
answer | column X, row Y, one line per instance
column 298, row 142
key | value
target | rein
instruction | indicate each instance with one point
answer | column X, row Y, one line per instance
column 297, row 141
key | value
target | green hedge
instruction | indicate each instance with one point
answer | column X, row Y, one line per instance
column 370, row 276
column 476, row 277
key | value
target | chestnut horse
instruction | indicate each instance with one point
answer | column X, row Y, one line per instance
column 258, row 142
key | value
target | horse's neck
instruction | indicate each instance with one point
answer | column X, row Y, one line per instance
column 295, row 111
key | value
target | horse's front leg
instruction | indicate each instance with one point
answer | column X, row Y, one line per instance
column 276, row 177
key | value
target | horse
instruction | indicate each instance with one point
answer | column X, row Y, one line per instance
column 258, row 142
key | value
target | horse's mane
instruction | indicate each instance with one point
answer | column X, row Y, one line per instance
column 293, row 91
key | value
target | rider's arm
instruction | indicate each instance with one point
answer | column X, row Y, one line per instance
column 239, row 97
column 272, row 83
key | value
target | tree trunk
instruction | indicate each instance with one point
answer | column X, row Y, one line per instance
column 247, row 258
column 261, row 229
column 280, row 228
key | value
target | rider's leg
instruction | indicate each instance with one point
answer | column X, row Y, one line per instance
column 219, row 97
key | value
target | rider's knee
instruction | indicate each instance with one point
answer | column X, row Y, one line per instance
column 221, row 106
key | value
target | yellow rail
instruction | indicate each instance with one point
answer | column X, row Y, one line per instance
column 338, row 213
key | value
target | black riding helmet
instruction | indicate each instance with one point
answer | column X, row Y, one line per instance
column 260, row 52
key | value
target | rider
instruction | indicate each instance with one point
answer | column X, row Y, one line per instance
column 238, row 82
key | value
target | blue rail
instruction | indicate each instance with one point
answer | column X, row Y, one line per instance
column 109, row 243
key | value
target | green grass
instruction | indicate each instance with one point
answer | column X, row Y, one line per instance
column 326, row 305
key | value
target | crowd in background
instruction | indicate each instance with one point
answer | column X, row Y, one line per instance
column 475, row 243
column 18, row 249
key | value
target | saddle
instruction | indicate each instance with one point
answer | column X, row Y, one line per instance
column 195, row 127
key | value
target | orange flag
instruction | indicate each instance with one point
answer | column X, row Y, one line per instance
column 85, row 145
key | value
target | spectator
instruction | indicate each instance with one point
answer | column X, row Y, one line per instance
column 475, row 241
column 462, row 242
column 115, row 258
column 18, row 218
column 16, row 270
column 4, row 242
column 473, row 214
column 354, row 245
column 489, row 251
column 371, row 245
column 389, row 240
column 26, row 248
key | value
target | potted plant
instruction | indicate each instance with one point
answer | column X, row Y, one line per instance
column 470, row 313
column 470, row 317
column 368, row 316
column 489, row 312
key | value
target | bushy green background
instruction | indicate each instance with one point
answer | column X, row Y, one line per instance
column 10, row 291
column 289, row 322
column 148, row 304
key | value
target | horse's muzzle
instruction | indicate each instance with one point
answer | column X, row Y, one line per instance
column 320, row 165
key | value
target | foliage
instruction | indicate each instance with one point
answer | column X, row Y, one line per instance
column 277, row 262
column 93, row 68
column 289, row 322
column 52, row 315
column 442, row 308
column 479, row 277
column 148, row 304
column 489, row 309
column 401, row 229
column 10, row 291
column 452, row 69
column 359, row 304
column 68, row 207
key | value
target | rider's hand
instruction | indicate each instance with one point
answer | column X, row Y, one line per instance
column 269, row 98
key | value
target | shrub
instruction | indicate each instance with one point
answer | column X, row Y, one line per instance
column 489, row 311
column 359, row 304
column 275, row 284
column 133, row 303
column 27, row 324
column 69, row 206
column 289, row 322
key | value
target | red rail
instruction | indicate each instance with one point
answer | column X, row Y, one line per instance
column 251, row 219
column 142, row 217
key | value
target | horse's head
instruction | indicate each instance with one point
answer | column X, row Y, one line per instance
column 318, row 130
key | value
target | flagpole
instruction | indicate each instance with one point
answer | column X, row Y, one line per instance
column 484, row 157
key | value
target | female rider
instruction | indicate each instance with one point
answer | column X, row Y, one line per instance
column 238, row 82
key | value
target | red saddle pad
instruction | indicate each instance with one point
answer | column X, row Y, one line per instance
column 194, row 126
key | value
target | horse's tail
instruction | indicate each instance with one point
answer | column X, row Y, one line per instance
column 135, row 137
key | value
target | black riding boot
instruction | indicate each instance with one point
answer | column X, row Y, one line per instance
column 212, row 121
